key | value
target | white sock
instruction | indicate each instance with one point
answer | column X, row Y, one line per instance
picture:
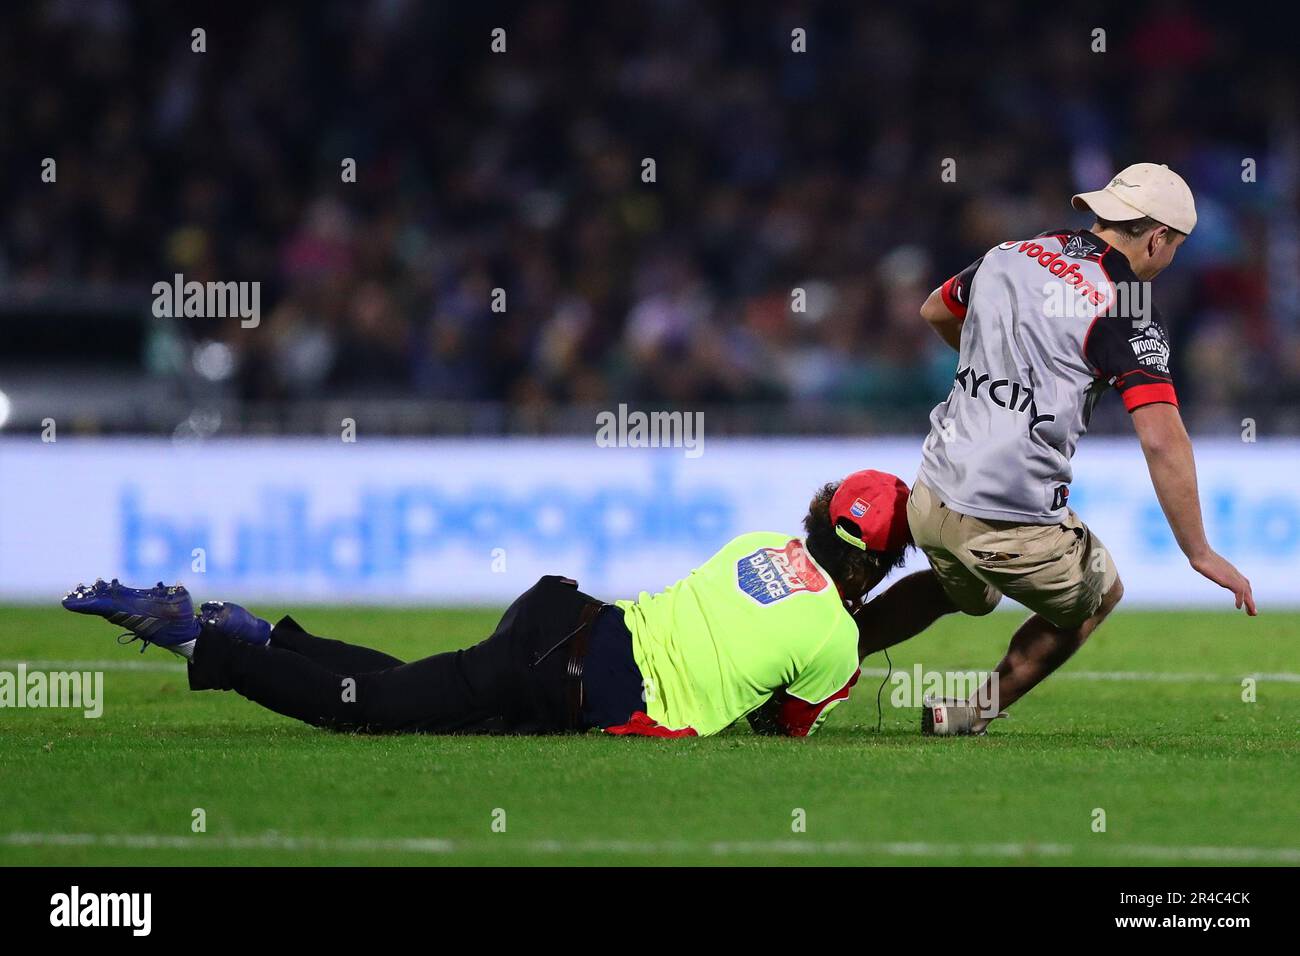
column 185, row 650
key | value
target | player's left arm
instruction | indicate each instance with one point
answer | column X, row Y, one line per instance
column 1168, row 451
column 797, row 717
column 820, row 685
column 785, row 715
column 1134, row 358
column 765, row 719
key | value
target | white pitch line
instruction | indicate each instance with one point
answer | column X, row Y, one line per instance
column 437, row 846
column 1157, row 677
column 1174, row 678
column 152, row 666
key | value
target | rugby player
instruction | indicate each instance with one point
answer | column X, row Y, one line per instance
column 764, row 629
column 1042, row 328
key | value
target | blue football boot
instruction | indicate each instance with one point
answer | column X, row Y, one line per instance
column 159, row 615
column 235, row 621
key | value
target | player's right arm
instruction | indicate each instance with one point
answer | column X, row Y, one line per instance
column 1168, row 451
column 944, row 323
column 945, row 308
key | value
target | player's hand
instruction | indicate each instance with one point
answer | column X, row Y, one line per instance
column 1222, row 573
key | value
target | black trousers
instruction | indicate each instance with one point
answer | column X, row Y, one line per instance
column 519, row 680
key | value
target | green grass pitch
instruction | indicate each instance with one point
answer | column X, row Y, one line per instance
column 1147, row 724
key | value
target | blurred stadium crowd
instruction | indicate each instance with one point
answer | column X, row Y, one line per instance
column 522, row 171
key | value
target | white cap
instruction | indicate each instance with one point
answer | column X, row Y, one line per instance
column 1143, row 189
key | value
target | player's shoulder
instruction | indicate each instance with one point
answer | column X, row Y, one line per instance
column 1074, row 243
column 1062, row 234
column 758, row 539
column 751, row 544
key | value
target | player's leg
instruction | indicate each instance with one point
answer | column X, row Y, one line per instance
column 359, row 689
column 236, row 621
column 431, row 695
column 335, row 655
column 918, row 600
column 1063, row 573
column 231, row 652
column 1037, row 649
column 515, row 681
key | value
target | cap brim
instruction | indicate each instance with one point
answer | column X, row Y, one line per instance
column 1105, row 205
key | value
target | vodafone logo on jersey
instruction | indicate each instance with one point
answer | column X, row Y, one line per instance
column 772, row 574
column 1059, row 265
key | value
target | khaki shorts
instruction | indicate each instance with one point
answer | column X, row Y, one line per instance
column 1061, row 571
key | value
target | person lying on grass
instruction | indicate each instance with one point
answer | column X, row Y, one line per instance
column 764, row 629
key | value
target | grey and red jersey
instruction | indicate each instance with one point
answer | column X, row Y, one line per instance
column 1048, row 324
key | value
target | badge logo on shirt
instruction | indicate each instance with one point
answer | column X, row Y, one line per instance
column 772, row 574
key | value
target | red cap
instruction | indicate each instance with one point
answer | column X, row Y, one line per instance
column 869, row 511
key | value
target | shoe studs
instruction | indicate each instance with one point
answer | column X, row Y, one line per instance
column 208, row 612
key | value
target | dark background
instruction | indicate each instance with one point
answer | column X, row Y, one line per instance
column 522, row 171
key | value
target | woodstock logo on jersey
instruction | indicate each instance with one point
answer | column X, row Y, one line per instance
column 770, row 574
column 1151, row 347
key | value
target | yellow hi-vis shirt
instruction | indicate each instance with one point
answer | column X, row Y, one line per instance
column 759, row 617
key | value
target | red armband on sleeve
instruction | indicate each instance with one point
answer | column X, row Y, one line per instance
column 948, row 292
column 796, row 717
column 1135, row 396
